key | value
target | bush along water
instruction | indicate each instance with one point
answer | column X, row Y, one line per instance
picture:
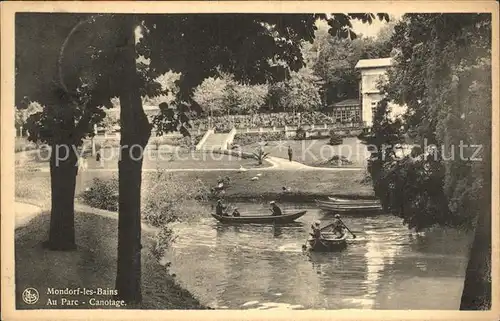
column 166, row 200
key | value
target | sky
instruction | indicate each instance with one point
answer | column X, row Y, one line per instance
column 370, row 30
column 366, row 29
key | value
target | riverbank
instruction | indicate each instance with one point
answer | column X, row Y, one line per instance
column 303, row 185
column 92, row 265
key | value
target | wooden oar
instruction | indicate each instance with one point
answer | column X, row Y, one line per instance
column 353, row 236
column 326, row 226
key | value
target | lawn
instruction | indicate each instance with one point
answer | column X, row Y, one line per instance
column 168, row 157
column 22, row 144
column 304, row 185
column 316, row 152
column 33, row 186
column 92, row 265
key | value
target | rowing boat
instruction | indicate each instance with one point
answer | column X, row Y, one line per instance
column 327, row 243
column 330, row 206
column 339, row 200
column 260, row 219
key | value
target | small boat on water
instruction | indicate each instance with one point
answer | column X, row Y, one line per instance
column 260, row 219
column 327, row 243
column 349, row 209
column 354, row 201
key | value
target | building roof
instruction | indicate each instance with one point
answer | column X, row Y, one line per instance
column 374, row 63
column 347, row 102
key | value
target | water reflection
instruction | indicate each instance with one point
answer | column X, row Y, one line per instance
column 264, row 266
column 277, row 231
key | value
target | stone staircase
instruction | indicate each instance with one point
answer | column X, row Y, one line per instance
column 215, row 141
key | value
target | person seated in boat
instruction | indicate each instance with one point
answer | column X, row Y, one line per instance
column 236, row 213
column 220, row 209
column 275, row 209
column 338, row 227
column 316, row 231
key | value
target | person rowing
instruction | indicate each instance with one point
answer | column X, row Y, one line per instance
column 275, row 209
column 236, row 213
column 316, row 231
column 220, row 209
column 338, row 227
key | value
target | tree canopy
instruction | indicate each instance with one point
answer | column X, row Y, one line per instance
column 334, row 58
column 443, row 76
column 88, row 59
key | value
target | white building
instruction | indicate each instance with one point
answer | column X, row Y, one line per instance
column 373, row 71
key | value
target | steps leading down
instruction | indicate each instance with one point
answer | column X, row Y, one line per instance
column 215, row 141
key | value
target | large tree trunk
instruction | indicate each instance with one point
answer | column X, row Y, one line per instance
column 476, row 294
column 63, row 170
column 135, row 133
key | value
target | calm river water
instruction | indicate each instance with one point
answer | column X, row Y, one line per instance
column 264, row 267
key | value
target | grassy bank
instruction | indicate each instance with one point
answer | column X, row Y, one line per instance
column 92, row 265
column 33, row 187
column 304, row 185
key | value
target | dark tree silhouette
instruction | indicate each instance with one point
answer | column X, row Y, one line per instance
column 54, row 70
column 443, row 76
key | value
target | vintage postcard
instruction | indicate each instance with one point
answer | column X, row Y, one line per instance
column 243, row 160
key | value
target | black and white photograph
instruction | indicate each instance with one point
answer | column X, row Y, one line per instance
column 269, row 160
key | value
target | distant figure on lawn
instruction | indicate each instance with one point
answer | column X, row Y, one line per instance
column 82, row 164
column 275, row 209
column 290, row 153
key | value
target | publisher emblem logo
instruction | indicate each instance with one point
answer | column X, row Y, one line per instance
column 30, row 296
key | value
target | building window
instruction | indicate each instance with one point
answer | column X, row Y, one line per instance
column 347, row 114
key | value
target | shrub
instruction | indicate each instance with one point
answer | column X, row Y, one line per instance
column 103, row 194
column 300, row 134
column 337, row 160
column 166, row 199
column 225, row 123
column 260, row 155
column 243, row 139
column 334, row 138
